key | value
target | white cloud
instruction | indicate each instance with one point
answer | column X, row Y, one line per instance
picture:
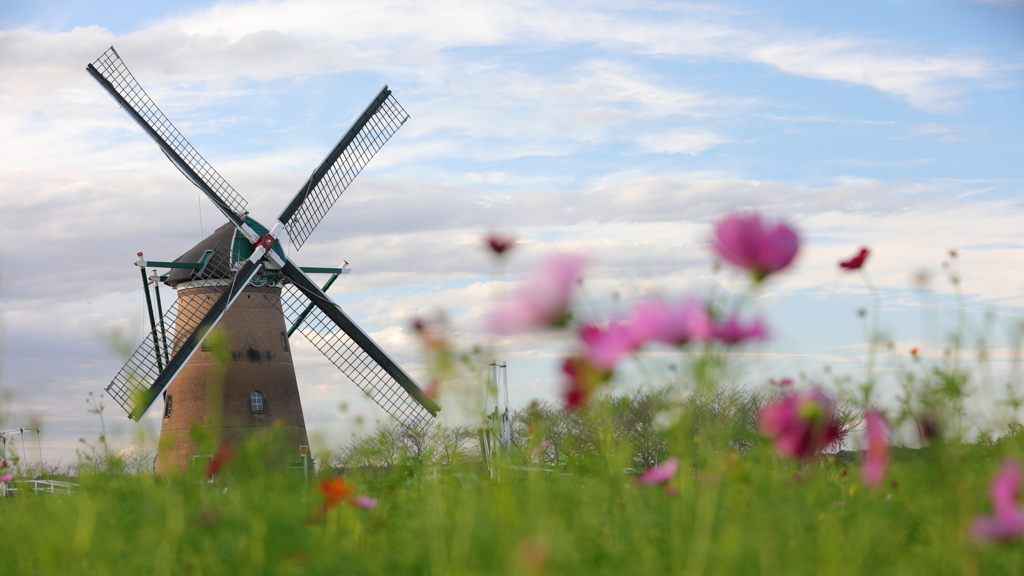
column 931, row 129
column 680, row 143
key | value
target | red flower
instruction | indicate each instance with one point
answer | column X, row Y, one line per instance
column 584, row 379
column 857, row 261
column 335, row 491
column 219, row 459
column 499, row 243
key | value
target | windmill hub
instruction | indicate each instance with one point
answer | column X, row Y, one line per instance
column 266, row 242
column 243, row 258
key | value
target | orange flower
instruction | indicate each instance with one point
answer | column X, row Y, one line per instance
column 913, row 351
column 335, row 490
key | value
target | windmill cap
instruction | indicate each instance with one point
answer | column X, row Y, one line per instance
column 219, row 265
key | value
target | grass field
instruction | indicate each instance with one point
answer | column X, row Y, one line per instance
column 723, row 513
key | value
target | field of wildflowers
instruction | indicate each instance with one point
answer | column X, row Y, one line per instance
column 696, row 479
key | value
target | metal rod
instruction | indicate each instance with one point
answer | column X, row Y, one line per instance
column 309, row 308
column 160, row 314
column 152, row 322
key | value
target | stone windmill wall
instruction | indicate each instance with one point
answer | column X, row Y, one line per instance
column 214, row 391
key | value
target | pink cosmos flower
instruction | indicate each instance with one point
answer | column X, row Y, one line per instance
column 683, row 322
column 781, row 383
column 733, row 331
column 651, row 321
column 857, row 261
column 364, row 502
column 606, row 346
column 761, row 248
column 6, row 477
column 538, row 450
column 800, row 423
column 876, row 459
column 659, row 473
column 1008, row 520
column 647, row 321
column 432, row 389
column 544, row 298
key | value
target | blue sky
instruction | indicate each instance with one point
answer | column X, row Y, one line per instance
column 621, row 130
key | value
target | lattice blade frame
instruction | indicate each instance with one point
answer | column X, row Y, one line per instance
column 149, row 370
column 112, row 74
column 368, row 134
column 357, row 356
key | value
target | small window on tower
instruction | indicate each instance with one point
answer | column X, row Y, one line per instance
column 255, row 401
column 284, row 341
column 167, row 408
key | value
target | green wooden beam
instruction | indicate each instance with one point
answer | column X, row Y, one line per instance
column 188, row 265
column 309, row 308
column 314, row 270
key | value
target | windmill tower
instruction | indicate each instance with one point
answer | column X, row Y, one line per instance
column 239, row 281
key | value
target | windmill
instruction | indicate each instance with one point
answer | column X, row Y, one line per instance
column 240, row 280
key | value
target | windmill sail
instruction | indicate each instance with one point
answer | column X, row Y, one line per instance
column 374, row 127
column 354, row 353
column 112, row 74
column 149, row 370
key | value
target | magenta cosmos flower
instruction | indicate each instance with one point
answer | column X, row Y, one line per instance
column 876, row 457
column 651, row 321
column 544, row 298
column 857, row 261
column 800, row 423
column 732, row 330
column 761, row 248
column 1007, row 522
column 659, row 473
